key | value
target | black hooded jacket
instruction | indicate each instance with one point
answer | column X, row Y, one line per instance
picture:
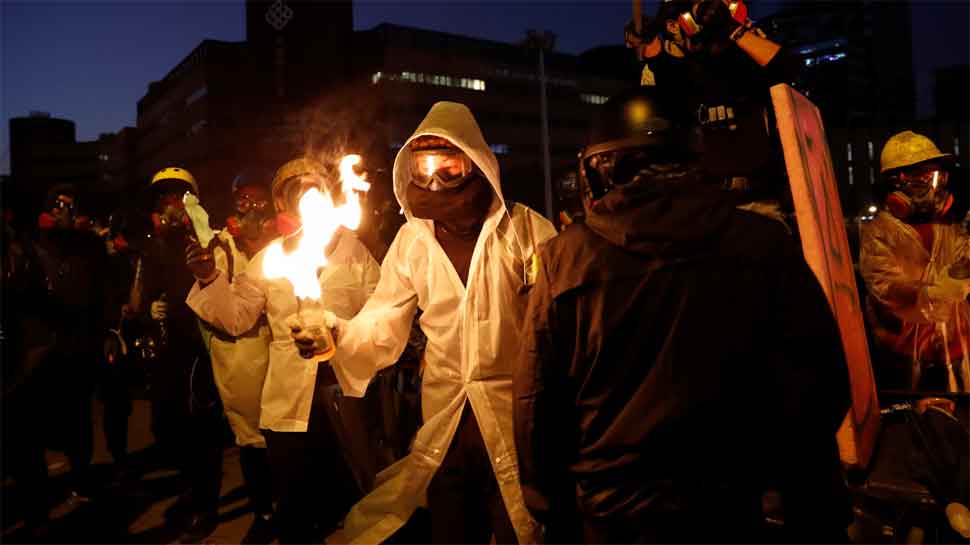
column 683, row 358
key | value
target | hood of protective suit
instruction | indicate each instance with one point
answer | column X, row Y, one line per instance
column 664, row 218
column 454, row 122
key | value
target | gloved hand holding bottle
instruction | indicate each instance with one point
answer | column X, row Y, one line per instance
column 201, row 262
column 159, row 309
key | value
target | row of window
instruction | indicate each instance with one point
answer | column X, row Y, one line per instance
column 431, row 79
column 463, row 83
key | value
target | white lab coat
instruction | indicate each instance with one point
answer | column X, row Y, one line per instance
column 239, row 363
column 347, row 281
column 473, row 335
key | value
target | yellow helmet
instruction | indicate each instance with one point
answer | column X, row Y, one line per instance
column 297, row 167
column 175, row 173
column 908, row 148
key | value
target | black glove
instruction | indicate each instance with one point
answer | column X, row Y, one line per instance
column 715, row 19
column 200, row 261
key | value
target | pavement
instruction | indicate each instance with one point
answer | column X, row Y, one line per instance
column 128, row 509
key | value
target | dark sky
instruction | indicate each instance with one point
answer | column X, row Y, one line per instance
column 91, row 61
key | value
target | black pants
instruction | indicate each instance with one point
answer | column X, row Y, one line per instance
column 23, row 452
column 256, row 474
column 188, row 425
column 464, row 498
column 67, row 381
column 116, row 401
column 314, row 483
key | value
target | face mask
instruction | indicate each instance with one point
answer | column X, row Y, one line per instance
column 252, row 225
column 461, row 210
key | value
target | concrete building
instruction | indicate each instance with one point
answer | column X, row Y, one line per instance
column 305, row 82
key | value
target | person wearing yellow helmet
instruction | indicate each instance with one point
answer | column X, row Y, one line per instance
column 910, row 259
column 186, row 410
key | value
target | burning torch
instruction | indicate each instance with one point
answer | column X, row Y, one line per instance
column 300, row 256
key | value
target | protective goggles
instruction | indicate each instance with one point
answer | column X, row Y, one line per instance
column 245, row 203
column 921, row 180
column 436, row 169
column 62, row 204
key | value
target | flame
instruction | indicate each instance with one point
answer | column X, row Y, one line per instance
column 320, row 219
column 936, row 178
column 429, row 164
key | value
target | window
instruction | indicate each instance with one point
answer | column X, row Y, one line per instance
column 440, row 80
column 593, row 99
column 869, row 147
column 851, row 177
column 499, row 149
column 956, row 146
column 872, row 176
column 848, row 151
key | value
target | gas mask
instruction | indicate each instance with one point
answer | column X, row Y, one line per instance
column 62, row 215
column 253, row 219
column 920, row 194
column 169, row 218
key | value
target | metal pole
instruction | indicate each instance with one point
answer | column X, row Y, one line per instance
column 546, row 170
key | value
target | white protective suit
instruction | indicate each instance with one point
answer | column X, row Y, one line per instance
column 239, row 363
column 473, row 336
column 347, row 281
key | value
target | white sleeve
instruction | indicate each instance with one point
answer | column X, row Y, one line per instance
column 234, row 308
column 376, row 336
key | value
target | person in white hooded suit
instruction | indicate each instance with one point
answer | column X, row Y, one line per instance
column 465, row 258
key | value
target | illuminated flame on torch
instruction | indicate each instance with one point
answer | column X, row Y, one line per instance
column 320, row 219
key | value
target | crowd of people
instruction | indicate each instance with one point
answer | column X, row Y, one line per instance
column 643, row 375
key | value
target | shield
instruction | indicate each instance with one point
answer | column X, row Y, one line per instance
column 826, row 248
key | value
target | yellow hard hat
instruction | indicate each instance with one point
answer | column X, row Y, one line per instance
column 297, row 167
column 908, row 148
column 175, row 173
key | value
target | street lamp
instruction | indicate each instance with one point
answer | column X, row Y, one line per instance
column 544, row 41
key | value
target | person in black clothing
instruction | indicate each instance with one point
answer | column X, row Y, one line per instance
column 27, row 339
column 74, row 271
column 682, row 357
column 186, row 414
column 719, row 66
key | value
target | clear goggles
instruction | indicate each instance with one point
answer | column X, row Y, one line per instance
column 436, row 169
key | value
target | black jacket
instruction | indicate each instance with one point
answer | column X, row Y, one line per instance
column 683, row 358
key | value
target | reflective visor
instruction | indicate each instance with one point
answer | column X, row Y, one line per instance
column 447, row 167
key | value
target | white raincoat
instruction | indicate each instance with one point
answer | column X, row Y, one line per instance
column 473, row 336
column 347, row 281
column 239, row 362
column 898, row 269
